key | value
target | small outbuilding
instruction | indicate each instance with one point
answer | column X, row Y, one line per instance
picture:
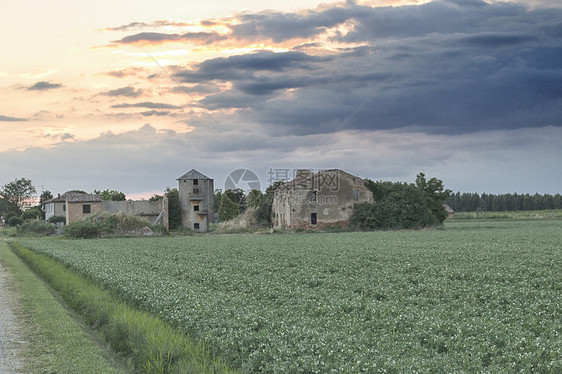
column 450, row 211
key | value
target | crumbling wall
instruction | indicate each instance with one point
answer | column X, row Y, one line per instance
column 142, row 208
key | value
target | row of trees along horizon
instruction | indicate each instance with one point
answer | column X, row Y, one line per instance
column 18, row 199
column 472, row 202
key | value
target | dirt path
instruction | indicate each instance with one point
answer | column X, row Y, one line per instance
column 11, row 342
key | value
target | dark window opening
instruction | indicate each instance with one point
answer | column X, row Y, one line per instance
column 196, row 190
column 195, row 226
column 313, row 218
column 196, row 208
column 86, row 208
column 313, row 197
column 355, row 195
column 195, row 182
column 64, row 207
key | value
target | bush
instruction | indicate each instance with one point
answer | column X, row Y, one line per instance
column 36, row 227
column 57, row 219
column 32, row 213
column 83, row 230
column 14, row 221
column 105, row 225
column 397, row 206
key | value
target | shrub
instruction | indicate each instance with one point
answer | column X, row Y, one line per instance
column 36, row 227
column 83, row 230
column 397, row 206
column 14, row 221
column 32, row 213
column 104, row 225
column 57, row 219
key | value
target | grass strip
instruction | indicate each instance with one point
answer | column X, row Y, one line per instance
column 149, row 344
column 55, row 341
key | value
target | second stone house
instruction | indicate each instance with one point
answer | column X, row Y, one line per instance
column 316, row 200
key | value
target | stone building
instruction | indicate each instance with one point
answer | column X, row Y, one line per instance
column 316, row 200
column 55, row 207
column 155, row 212
column 75, row 206
column 79, row 206
column 196, row 192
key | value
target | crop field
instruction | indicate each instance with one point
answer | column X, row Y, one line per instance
column 475, row 297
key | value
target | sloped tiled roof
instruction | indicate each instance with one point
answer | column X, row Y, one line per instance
column 193, row 174
column 61, row 198
column 87, row 198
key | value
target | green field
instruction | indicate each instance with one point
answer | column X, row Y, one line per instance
column 479, row 296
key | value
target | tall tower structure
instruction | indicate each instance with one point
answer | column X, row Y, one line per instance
column 196, row 192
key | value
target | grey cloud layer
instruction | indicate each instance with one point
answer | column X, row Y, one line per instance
column 43, row 86
column 4, row 118
column 124, row 91
column 445, row 66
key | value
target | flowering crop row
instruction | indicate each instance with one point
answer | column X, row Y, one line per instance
column 481, row 297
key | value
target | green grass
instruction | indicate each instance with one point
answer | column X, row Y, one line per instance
column 148, row 344
column 478, row 296
column 56, row 342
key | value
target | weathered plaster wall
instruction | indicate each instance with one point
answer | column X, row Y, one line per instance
column 200, row 195
column 330, row 195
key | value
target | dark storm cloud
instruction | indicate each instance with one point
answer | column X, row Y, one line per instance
column 4, row 118
column 44, row 86
column 279, row 27
column 201, row 88
column 147, row 104
column 245, row 66
column 156, row 37
column 442, row 67
column 124, row 91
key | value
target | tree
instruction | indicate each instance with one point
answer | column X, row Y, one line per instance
column 263, row 212
column 75, row 192
column 18, row 193
column 254, row 199
column 7, row 208
column 217, row 200
column 32, row 213
column 401, row 205
column 155, row 197
column 436, row 194
column 112, row 195
column 229, row 205
column 174, row 208
column 45, row 196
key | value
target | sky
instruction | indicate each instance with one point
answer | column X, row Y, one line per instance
column 131, row 95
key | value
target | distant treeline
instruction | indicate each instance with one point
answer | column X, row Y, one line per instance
column 471, row 202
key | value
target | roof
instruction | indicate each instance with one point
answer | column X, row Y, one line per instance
column 61, row 198
column 87, row 198
column 193, row 174
column 448, row 208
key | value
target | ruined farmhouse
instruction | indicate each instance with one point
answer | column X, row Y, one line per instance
column 317, row 200
column 75, row 206
column 196, row 194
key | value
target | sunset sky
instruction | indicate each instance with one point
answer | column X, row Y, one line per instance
column 130, row 95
